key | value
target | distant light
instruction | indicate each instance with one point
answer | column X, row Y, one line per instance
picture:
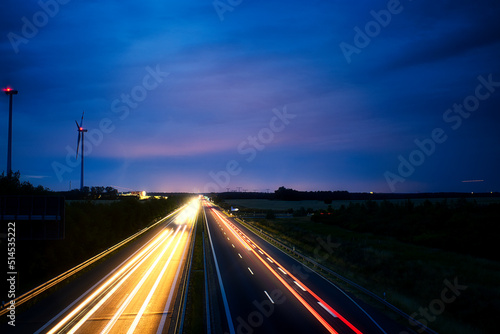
column 371, row 192
column 81, row 129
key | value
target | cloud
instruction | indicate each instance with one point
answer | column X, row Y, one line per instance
column 440, row 31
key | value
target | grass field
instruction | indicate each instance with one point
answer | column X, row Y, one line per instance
column 266, row 204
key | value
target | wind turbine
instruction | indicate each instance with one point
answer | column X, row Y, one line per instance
column 81, row 132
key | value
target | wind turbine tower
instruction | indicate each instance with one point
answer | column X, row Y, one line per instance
column 81, row 133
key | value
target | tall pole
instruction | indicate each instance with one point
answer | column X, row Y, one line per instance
column 81, row 176
column 9, row 147
column 81, row 132
column 10, row 92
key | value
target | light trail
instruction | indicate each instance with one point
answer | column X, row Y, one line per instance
column 115, row 277
column 153, row 289
column 245, row 245
column 231, row 227
column 150, row 277
column 137, row 287
column 171, row 293
column 300, row 286
column 56, row 280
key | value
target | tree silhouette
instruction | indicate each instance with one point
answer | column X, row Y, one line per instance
column 12, row 185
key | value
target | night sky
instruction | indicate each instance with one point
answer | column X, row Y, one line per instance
column 253, row 95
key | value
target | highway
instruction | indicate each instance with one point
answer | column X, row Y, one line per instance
column 266, row 291
column 135, row 296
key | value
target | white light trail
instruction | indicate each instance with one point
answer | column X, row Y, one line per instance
column 153, row 289
column 144, row 255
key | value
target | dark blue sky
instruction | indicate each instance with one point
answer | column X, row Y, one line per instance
column 320, row 95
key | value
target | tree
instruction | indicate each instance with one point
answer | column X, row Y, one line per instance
column 12, row 185
column 111, row 193
column 286, row 194
column 96, row 192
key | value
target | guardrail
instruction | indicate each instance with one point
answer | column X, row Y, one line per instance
column 331, row 272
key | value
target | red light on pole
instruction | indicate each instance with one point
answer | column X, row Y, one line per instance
column 9, row 91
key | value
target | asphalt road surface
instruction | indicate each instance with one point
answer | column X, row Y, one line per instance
column 267, row 291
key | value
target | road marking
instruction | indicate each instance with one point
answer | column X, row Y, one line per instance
column 221, row 285
column 282, row 270
column 300, row 286
column 270, row 260
column 250, row 270
column 233, row 245
column 240, row 255
column 327, row 310
column 260, row 251
column 272, row 301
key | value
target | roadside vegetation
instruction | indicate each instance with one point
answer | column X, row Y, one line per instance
column 408, row 252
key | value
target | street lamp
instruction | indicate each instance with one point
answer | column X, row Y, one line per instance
column 9, row 91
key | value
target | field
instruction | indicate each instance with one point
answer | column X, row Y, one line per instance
column 266, row 204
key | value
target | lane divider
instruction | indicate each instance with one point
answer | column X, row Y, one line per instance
column 221, row 284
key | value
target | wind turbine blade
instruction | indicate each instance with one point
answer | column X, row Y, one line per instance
column 78, row 126
column 78, row 144
column 81, row 122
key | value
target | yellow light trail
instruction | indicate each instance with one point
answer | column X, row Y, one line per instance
column 79, row 315
column 143, row 254
column 124, row 305
column 153, row 289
